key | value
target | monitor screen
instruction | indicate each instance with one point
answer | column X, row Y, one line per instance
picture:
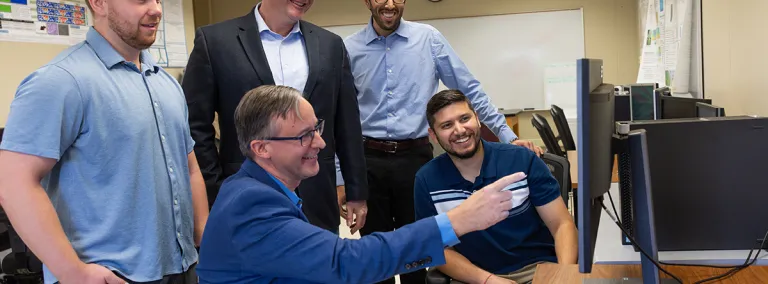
column 621, row 110
column 679, row 107
column 642, row 101
column 708, row 110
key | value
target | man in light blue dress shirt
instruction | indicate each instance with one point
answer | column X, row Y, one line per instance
column 397, row 66
column 97, row 173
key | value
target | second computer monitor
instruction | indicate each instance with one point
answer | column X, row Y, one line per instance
column 708, row 110
column 670, row 107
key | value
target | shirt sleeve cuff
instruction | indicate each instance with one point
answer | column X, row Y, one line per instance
column 446, row 230
column 339, row 177
column 507, row 135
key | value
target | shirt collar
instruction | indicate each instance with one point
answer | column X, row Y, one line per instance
column 255, row 171
column 263, row 24
column 487, row 171
column 291, row 195
column 403, row 30
column 109, row 56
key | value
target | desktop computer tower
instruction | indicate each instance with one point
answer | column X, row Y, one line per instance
column 708, row 182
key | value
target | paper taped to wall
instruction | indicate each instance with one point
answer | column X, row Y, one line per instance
column 67, row 23
column 53, row 22
column 666, row 51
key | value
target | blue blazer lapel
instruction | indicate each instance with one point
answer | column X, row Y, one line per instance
column 257, row 172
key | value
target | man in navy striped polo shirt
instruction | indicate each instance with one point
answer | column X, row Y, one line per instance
column 508, row 251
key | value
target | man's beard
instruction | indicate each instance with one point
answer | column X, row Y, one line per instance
column 382, row 24
column 469, row 154
column 130, row 37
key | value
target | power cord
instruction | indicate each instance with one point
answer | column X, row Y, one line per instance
column 635, row 242
column 734, row 268
column 610, row 197
column 746, row 264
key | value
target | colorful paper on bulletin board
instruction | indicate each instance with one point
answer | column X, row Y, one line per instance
column 45, row 21
column 67, row 22
column 51, row 12
column 665, row 54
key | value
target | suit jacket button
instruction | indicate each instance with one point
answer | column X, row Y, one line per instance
column 408, row 266
column 429, row 259
column 414, row 264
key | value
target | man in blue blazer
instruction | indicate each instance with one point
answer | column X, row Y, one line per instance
column 257, row 233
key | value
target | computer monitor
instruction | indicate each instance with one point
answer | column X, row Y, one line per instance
column 698, row 194
column 595, row 128
column 670, row 107
column 621, row 110
column 642, row 100
column 708, row 110
column 595, row 150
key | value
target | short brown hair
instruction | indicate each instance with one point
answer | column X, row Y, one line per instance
column 88, row 3
column 256, row 113
column 443, row 99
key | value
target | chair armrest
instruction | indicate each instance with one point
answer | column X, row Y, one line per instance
column 435, row 276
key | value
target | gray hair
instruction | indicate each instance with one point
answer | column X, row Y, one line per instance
column 257, row 111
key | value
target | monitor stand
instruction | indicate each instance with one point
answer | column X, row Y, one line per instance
column 644, row 233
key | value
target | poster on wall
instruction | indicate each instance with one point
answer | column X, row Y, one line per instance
column 170, row 48
column 67, row 23
column 651, row 60
column 52, row 22
column 666, row 52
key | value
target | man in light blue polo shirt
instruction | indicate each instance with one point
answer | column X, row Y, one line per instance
column 97, row 172
column 508, row 251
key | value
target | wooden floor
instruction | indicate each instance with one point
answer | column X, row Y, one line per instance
column 554, row 273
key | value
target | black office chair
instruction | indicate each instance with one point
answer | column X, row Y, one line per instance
column 561, row 122
column 561, row 170
column 435, row 276
column 487, row 134
column 542, row 126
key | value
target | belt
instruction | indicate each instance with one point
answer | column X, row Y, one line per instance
column 392, row 146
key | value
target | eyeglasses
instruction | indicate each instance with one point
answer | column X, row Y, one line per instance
column 385, row 1
column 306, row 138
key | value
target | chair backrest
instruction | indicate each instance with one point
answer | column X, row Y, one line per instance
column 487, row 134
column 560, row 168
column 561, row 122
column 542, row 126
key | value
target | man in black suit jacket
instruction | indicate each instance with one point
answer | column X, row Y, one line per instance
column 271, row 45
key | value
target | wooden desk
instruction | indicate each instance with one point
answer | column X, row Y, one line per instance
column 573, row 159
column 513, row 122
column 511, row 116
column 569, row 273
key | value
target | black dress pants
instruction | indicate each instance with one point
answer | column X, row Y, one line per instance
column 390, row 203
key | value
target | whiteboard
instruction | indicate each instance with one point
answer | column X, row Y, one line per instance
column 509, row 55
